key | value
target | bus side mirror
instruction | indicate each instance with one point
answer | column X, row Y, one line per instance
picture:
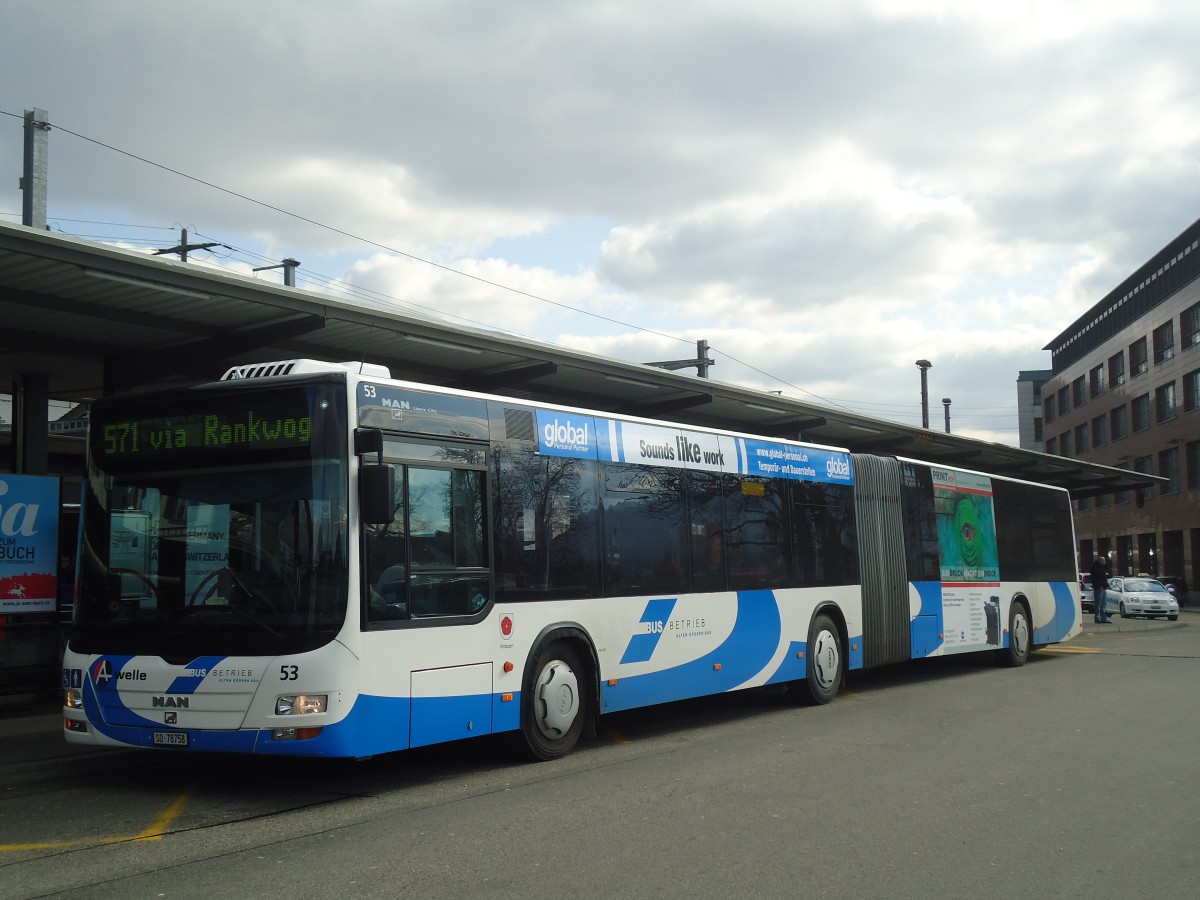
column 376, row 493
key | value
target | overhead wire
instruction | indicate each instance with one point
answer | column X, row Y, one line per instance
column 365, row 240
column 377, row 297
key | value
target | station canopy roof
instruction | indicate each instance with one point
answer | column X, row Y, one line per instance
column 95, row 319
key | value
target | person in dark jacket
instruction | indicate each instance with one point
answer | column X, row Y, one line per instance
column 1100, row 575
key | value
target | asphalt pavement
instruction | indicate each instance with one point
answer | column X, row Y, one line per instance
column 32, row 731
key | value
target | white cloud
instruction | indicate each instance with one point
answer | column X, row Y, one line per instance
column 823, row 191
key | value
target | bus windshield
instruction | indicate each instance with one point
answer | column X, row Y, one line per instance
column 217, row 527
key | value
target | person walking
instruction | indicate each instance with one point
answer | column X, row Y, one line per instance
column 1100, row 575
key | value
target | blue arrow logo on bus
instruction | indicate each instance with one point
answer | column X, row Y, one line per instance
column 654, row 618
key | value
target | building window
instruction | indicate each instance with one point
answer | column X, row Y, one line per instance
column 1037, row 430
column 1077, row 395
column 1102, row 501
column 1164, row 342
column 1141, row 413
column 1189, row 327
column 1096, row 382
column 1164, row 403
column 1084, row 504
column 1048, row 409
column 1191, row 391
column 1168, row 468
column 1116, row 370
column 1064, row 444
column 1052, row 446
column 1099, row 431
column 1081, row 438
column 1145, row 465
column 1122, row 496
column 1119, row 420
column 1192, row 454
column 1138, row 361
column 1064, row 400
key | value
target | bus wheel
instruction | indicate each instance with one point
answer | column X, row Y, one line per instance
column 823, row 663
column 554, row 706
column 1019, row 637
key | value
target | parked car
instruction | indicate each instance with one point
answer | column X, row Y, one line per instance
column 1138, row 596
column 1177, row 586
column 1087, row 599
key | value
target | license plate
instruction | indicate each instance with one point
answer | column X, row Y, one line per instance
column 170, row 738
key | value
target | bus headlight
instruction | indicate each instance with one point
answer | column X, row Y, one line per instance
column 73, row 698
column 300, row 704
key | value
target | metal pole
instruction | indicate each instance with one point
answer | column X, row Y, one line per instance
column 702, row 360
column 924, row 365
column 33, row 182
column 946, row 403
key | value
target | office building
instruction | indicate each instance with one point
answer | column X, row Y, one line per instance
column 1125, row 392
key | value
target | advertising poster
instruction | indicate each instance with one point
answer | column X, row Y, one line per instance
column 207, row 548
column 28, row 543
column 970, row 565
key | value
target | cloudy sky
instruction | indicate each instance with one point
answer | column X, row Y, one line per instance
column 825, row 192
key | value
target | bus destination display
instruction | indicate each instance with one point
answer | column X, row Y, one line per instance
column 230, row 424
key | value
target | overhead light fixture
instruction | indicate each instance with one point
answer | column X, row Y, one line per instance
column 621, row 379
column 445, row 345
column 770, row 409
column 146, row 285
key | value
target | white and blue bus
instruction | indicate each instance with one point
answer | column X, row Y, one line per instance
column 314, row 559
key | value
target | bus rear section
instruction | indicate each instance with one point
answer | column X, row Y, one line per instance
column 955, row 561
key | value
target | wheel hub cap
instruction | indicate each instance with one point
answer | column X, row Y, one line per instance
column 826, row 659
column 557, row 693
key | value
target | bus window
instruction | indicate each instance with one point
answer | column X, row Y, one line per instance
column 756, row 522
column 644, row 525
column 430, row 559
column 546, row 515
column 707, row 531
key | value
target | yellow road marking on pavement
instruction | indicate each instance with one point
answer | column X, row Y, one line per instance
column 153, row 833
column 1071, row 650
column 169, row 815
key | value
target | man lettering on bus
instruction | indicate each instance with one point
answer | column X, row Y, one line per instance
column 1100, row 576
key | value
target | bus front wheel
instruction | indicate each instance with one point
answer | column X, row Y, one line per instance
column 554, row 702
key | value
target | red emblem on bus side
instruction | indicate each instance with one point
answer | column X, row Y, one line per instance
column 506, row 627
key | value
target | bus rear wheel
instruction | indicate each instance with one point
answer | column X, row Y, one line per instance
column 554, row 704
column 824, row 664
column 1019, row 637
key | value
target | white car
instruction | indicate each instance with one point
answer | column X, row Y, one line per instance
column 1140, row 597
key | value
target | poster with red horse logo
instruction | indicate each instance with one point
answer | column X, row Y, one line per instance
column 28, row 543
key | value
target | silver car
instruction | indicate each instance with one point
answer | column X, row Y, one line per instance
column 1140, row 597
column 1087, row 600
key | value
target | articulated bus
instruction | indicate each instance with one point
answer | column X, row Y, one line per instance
column 309, row 558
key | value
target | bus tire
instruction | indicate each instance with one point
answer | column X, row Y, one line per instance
column 824, row 663
column 1020, row 637
column 554, row 704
